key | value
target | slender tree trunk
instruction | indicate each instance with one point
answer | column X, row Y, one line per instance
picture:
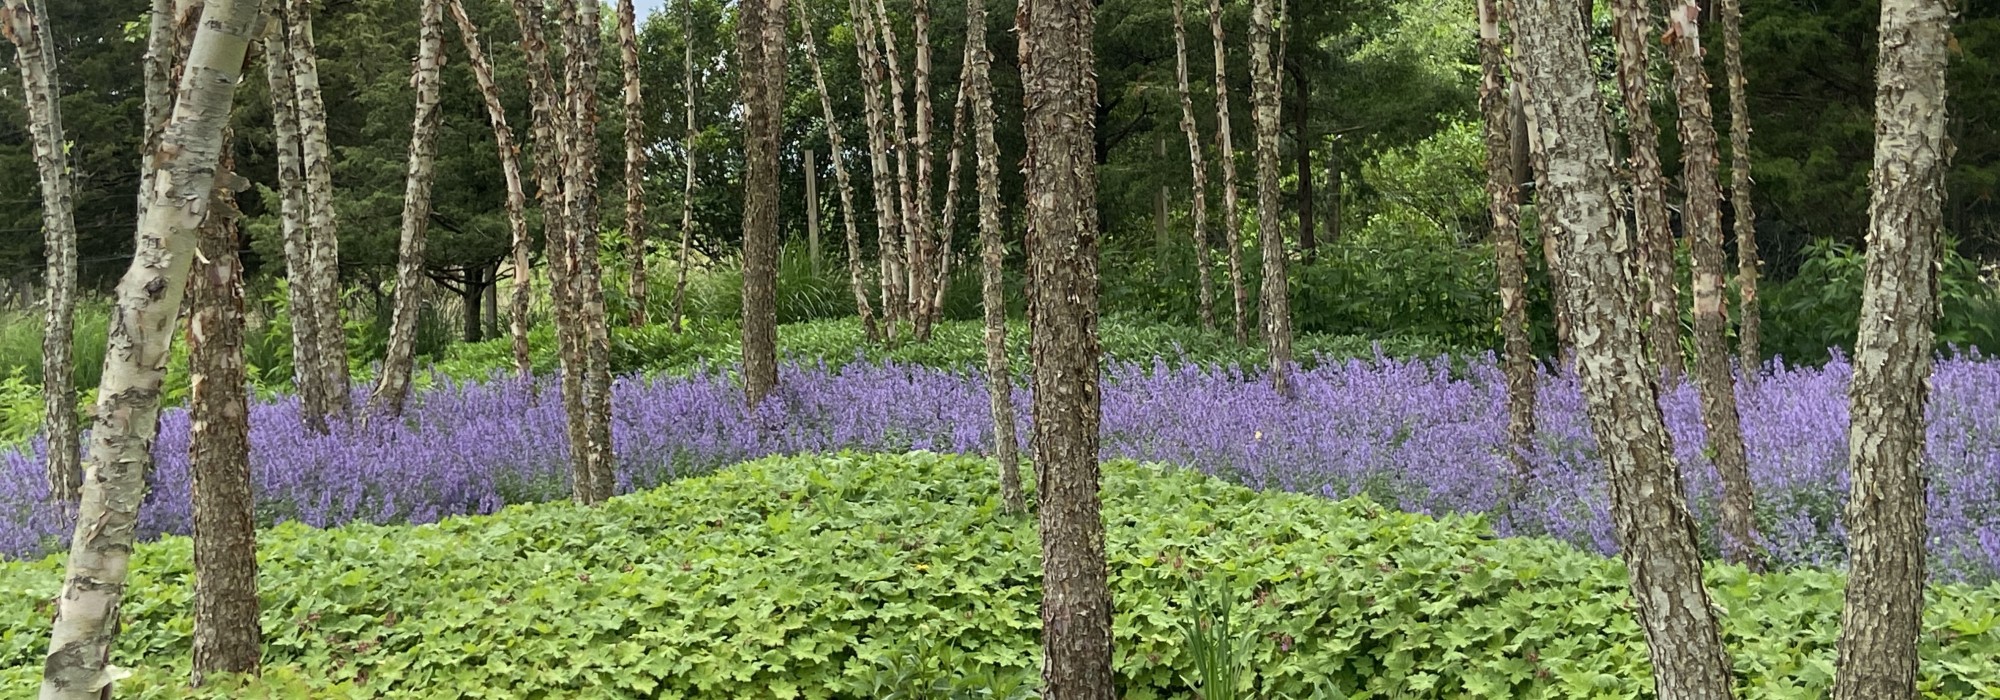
column 888, row 209
column 1302, row 153
column 1882, row 620
column 760, row 49
column 1162, row 220
column 394, row 387
column 1749, row 342
column 163, row 24
column 147, row 302
column 635, row 159
column 323, row 272
column 1232, row 218
column 1205, row 290
column 1632, row 21
column 1275, row 298
column 941, row 274
column 33, row 53
column 1335, row 191
column 912, row 249
column 492, row 301
column 227, row 638
column 1703, row 220
column 510, row 171
column 1511, row 258
column 1656, row 533
column 471, row 297
column 307, row 364
column 993, row 258
column 688, row 144
column 1059, row 83
column 582, row 34
column 812, row 212
column 837, row 148
column 924, row 251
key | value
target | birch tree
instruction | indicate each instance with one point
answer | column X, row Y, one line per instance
column 888, row 208
column 307, row 364
column 891, row 61
column 146, row 303
column 1702, row 217
column 1226, row 155
column 394, row 387
column 1621, row 386
column 591, row 453
column 941, row 264
column 688, row 143
column 1749, row 336
column 923, row 249
column 323, row 261
column 635, row 159
column 227, row 637
column 1510, row 256
column 34, row 52
column 992, row 257
column 510, row 172
column 760, row 50
column 1205, row 290
column 836, row 152
column 1632, row 21
column 1882, row 621
column 1275, row 305
column 1059, row 85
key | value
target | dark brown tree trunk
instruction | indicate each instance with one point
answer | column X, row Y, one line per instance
column 397, row 364
column 227, row 638
column 1276, row 305
column 760, row 50
column 1749, row 342
column 1620, row 383
column 34, row 53
column 1632, row 21
column 635, row 160
column 1232, row 218
column 1510, row 256
column 993, row 258
column 1303, row 153
column 473, row 299
column 1883, row 619
column 1059, row 83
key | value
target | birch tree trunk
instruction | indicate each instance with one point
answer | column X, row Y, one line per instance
column 1882, row 621
column 926, row 246
column 940, row 281
column 836, row 152
column 1205, row 287
column 394, row 387
column 1702, row 217
column 1749, row 340
column 1059, row 84
column 1232, row 218
column 323, row 270
column 578, row 125
column 635, row 159
column 1510, row 256
column 227, row 638
column 760, row 48
column 510, row 172
column 307, row 365
column 1621, row 386
column 162, row 51
column 913, row 226
column 1632, row 21
column 146, row 304
column 992, row 257
column 1275, row 298
column 687, row 188
column 888, row 208
column 33, row 53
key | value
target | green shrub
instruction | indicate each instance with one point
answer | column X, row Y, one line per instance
column 1819, row 308
column 837, row 577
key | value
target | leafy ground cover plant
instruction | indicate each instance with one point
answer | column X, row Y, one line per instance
column 834, row 577
column 1419, row 436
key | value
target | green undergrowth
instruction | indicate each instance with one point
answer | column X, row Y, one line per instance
column 856, row 576
column 657, row 349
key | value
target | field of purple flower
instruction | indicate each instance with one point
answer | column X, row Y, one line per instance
column 1421, row 436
